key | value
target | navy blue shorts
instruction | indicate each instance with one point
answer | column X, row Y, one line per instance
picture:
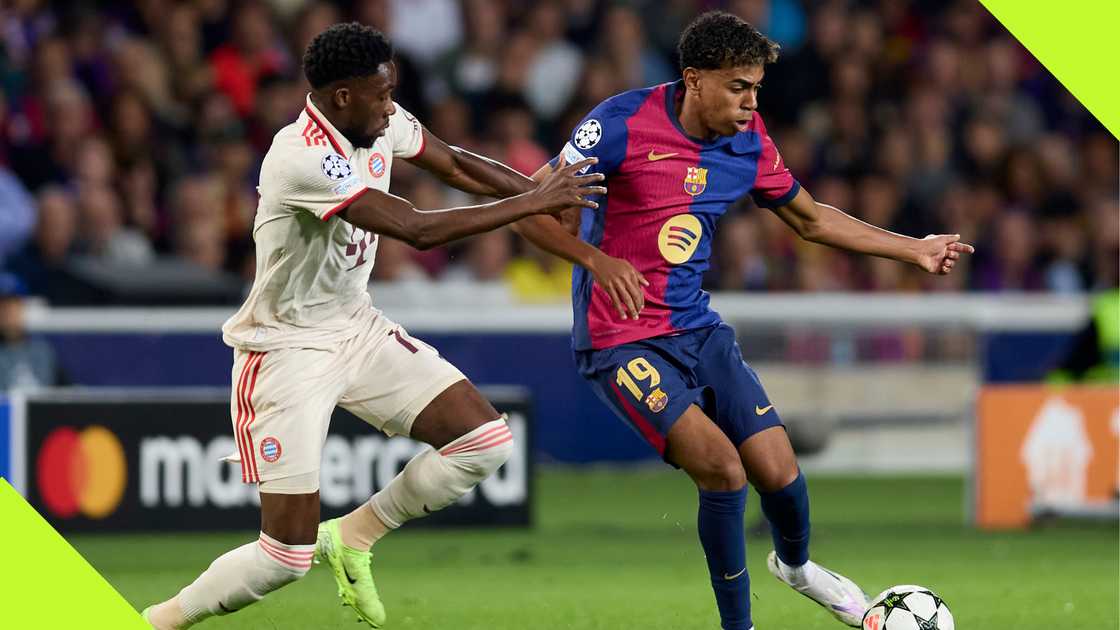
column 650, row 383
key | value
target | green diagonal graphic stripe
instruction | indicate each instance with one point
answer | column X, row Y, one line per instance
column 1078, row 43
column 45, row 584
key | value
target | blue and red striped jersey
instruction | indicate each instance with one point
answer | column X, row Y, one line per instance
column 665, row 193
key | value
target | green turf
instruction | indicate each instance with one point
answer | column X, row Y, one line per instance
column 616, row 550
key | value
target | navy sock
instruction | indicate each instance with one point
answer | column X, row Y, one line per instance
column 720, row 524
column 788, row 513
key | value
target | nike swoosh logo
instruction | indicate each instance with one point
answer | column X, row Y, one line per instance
column 762, row 410
column 732, row 577
column 347, row 573
column 653, row 157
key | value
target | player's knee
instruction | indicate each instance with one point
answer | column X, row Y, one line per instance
column 724, row 474
column 774, row 478
column 483, row 451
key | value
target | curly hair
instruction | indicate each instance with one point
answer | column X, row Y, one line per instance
column 345, row 51
column 718, row 39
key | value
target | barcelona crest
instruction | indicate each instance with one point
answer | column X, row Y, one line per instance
column 695, row 180
column 657, row 400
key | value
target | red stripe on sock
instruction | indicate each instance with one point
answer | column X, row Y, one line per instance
column 499, row 439
column 477, row 445
column 275, row 556
column 474, row 440
column 298, row 554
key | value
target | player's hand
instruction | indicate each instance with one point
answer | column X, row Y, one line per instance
column 622, row 283
column 565, row 187
column 938, row 253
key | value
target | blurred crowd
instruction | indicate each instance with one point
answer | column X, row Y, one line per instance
column 133, row 131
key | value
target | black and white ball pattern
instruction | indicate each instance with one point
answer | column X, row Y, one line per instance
column 589, row 134
column 336, row 167
column 908, row 607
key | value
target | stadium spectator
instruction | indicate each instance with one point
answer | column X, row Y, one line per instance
column 24, row 361
column 930, row 114
column 485, row 260
column 17, row 220
column 103, row 235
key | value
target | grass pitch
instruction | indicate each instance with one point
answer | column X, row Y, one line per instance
column 617, row 550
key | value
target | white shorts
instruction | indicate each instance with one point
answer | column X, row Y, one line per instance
column 282, row 400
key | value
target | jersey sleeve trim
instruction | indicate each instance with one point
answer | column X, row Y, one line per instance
column 780, row 201
column 423, row 145
column 342, row 206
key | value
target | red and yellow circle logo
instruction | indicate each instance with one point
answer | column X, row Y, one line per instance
column 377, row 165
column 81, row 472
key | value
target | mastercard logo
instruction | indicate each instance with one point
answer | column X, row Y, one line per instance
column 81, row 472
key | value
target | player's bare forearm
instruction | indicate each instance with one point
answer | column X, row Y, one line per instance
column 469, row 171
column 549, row 234
column 827, row 225
column 822, row 223
column 393, row 216
column 617, row 277
column 383, row 213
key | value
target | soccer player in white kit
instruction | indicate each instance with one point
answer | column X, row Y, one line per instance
column 308, row 338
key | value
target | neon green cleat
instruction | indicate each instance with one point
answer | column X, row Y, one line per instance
column 351, row 570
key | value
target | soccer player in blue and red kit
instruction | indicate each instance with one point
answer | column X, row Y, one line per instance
column 676, row 156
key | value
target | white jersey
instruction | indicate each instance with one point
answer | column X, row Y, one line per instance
column 313, row 267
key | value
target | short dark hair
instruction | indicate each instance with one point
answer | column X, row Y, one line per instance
column 345, row 51
column 718, row 39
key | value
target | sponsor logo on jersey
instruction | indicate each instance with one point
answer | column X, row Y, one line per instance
column 657, row 400
column 336, row 167
column 653, row 156
column 695, row 180
column 377, row 165
column 588, row 134
column 679, row 237
column 81, row 472
column 270, row 449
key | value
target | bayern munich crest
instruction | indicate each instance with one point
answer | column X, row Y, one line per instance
column 377, row 165
column 589, row 134
column 336, row 167
column 270, row 449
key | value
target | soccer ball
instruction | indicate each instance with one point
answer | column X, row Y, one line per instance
column 908, row 607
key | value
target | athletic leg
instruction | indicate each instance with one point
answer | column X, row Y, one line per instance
column 280, row 406
column 772, row 469
column 470, row 441
column 699, row 447
column 240, row 577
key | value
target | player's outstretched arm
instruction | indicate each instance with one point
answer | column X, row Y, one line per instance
column 382, row 213
column 470, row 172
column 555, row 234
column 822, row 223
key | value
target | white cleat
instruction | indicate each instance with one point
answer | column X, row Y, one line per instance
column 836, row 593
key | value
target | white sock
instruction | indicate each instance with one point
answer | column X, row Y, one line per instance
column 435, row 479
column 243, row 576
column 798, row 576
column 361, row 528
